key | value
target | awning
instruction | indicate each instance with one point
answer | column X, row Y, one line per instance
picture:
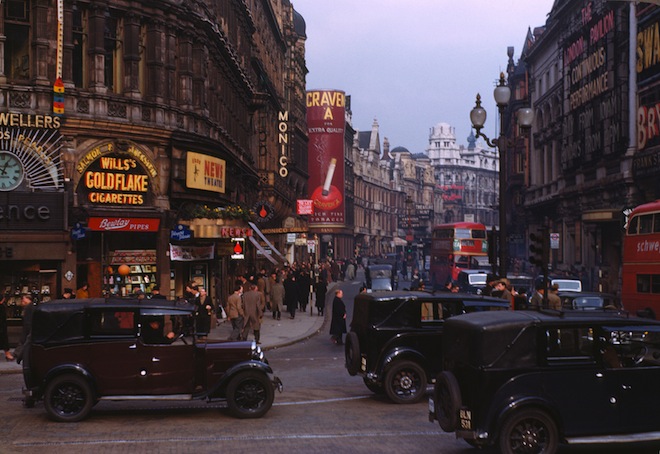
column 399, row 241
column 270, row 245
column 262, row 250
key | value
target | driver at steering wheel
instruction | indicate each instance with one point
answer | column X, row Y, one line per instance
column 157, row 330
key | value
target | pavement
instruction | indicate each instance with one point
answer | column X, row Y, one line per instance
column 274, row 333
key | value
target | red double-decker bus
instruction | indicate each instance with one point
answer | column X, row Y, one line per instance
column 455, row 247
column 640, row 288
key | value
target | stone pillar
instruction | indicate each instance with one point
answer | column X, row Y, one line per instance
column 96, row 49
column 155, row 62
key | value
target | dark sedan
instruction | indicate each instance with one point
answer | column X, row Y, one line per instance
column 588, row 301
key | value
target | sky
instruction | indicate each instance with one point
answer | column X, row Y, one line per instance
column 411, row 64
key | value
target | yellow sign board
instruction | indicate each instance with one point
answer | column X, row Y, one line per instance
column 205, row 172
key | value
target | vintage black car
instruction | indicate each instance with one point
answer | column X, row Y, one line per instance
column 88, row 350
column 587, row 301
column 395, row 338
column 472, row 281
column 528, row 381
column 381, row 277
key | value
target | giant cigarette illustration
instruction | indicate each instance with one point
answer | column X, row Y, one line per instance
column 328, row 177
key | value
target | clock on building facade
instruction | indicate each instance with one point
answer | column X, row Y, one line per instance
column 11, row 171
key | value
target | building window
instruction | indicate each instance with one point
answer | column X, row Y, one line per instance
column 79, row 25
column 113, row 54
column 142, row 68
column 17, row 44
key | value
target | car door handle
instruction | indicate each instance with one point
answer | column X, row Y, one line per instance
column 155, row 360
column 132, row 347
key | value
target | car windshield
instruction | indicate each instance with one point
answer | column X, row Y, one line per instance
column 588, row 302
column 477, row 279
column 381, row 273
column 568, row 284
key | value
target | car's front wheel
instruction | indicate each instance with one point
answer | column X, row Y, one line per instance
column 529, row 431
column 405, row 382
column 250, row 395
column 68, row 398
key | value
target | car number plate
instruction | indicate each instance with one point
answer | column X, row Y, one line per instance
column 431, row 405
column 465, row 417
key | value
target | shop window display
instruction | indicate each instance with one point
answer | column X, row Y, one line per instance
column 129, row 271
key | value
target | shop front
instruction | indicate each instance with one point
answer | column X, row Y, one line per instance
column 34, row 241
column 217, row 251
column 121, row 242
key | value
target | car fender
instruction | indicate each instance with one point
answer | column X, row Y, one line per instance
column 399, row 354
column 220, row 388
column 497, row 417
column 66, row 369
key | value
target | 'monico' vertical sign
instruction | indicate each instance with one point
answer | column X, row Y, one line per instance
column 325, row 128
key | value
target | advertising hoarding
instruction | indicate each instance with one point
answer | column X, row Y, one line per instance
column 325, row 127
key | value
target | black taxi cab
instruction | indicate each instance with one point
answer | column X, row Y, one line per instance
column 527, row 381
column 84, row 351
column 395, row 340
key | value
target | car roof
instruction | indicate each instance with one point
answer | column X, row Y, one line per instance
column 575, row 294
column 507, row 339
column 493, row 320
column 380, row 266
column 474, row 271
column 382, row 296
column 72, row 305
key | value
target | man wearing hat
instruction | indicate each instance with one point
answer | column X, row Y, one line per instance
column 501, row 290
column 155, row 293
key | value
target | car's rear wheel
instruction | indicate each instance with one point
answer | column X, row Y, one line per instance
column 405, row 382
column 447, row 396
column 68, row 398
column 529, row 431
column 250, row 395
column 352, row 353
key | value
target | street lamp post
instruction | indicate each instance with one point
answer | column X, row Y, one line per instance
column 502, row 94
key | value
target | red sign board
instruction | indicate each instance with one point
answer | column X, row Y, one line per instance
column 305, row 206
column 111, row 224
column 325, row 128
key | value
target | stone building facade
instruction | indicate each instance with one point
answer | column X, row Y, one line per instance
column 135, row 122
column 581, row 73
column 467, row 177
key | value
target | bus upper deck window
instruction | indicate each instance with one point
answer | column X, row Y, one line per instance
column 646, row 223
column 632, row 228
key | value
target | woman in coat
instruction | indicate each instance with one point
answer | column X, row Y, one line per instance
column 4, row 339
column 277, row 294
column 338, row 323
column 291, row 294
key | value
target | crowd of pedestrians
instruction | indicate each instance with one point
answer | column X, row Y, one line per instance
column 289, row 290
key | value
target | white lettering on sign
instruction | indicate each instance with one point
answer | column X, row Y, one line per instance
column 648, row 246
column 107, row 224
